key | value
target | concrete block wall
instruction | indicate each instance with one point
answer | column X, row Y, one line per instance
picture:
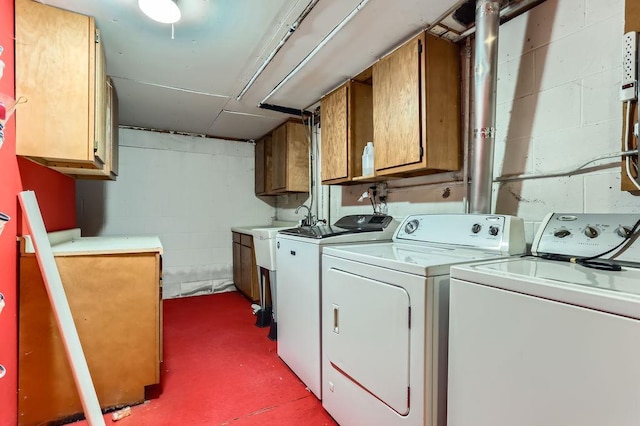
column 559, row 73
column 557, row 107
column 187, row 190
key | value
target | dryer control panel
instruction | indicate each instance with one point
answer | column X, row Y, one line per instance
column 499, row 233
column 587, row 234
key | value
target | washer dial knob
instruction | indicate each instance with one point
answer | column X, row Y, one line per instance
column 476, row 228
column 590, row 231
column 411, row 226
column 493, row 230
column 623, row 231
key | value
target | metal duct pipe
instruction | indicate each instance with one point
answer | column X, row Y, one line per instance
column 484, row 121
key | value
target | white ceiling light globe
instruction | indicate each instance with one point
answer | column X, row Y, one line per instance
column 164, row 11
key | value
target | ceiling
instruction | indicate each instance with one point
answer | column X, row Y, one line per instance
column 190, row 83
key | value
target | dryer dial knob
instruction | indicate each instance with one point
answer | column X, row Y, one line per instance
column 623, row 231
column 476, row 228
column 411, row 226
column 590, row 231
column 561, row 233
column 493, row 230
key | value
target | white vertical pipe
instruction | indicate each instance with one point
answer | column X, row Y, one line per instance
column 466, row 118
column 61, row 310
column 485, row 79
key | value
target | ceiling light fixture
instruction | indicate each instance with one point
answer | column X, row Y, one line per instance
column 163, row 11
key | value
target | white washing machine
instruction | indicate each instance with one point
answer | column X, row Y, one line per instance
column 535, row 341
column 384, row 316
column 298, row 256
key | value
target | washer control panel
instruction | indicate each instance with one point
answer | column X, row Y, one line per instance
column 500, row 233
column 585, row 234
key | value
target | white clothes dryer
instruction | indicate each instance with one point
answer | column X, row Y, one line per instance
column 385, row 316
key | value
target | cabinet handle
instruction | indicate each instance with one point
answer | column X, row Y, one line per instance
column 293, row 253
column 336, row 313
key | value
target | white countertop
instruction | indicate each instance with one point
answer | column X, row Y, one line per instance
column 70, row 243
column 276, row 224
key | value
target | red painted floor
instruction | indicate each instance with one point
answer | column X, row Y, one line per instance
column 220, row 369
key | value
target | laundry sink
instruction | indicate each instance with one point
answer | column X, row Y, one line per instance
column 264, row 244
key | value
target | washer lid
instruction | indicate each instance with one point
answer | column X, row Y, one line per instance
column 609, row 291
column 410, row 258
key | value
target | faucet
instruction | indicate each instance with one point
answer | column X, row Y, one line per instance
column 308, row 221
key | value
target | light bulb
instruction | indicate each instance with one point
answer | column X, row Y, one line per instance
column 164, row 11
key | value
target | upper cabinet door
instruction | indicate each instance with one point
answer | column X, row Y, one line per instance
column 279, row 158
column 113, row 134
column 263, row 166
column 397, row 107
column 289, row 159
column 55, row 72
column 347, row 126
column 298, row 144
column 416, row 108
column 335, row 136
column 100, row 101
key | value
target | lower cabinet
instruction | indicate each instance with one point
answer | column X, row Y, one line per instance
column 115, row 300
column 245, row 275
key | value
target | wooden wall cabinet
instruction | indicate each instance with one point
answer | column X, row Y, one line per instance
column 347, row 126
column 263, row 161
column 113, row 130
column 109, row 170
column 115, row 299
column 60, row 70
column 416, row 108
column 289, row 159
column 245, row 272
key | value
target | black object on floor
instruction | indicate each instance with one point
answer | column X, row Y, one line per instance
column 273, row 331
column 263, row 318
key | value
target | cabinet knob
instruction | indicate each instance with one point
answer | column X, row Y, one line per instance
column 3, row 371
column 2, row 303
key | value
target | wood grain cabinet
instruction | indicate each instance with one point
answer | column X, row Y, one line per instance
column 347, row 126
column 289, row 158
column 113, row 130
column 60, row 71
column 263, row 166
column 109, row 170
column 245, row 272
column 115, row 300
column 416, row 108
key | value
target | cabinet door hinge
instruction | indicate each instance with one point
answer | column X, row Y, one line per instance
column 421, row 152
column 419, row 47
column 409, row 323
column 95, row 146
column 97, row 36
